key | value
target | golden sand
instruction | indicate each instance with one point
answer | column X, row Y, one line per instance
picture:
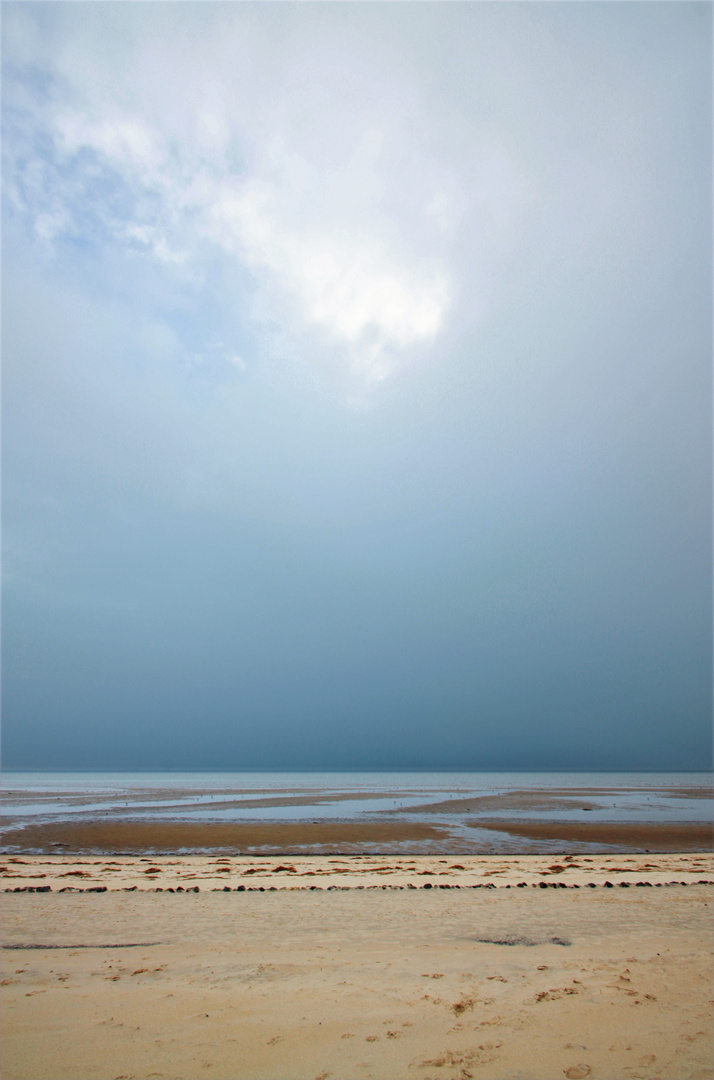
column 73, row 873
column 318, row 969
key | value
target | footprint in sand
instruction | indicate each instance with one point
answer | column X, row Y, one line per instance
column 577, row 1072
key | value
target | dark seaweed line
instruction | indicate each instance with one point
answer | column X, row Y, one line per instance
column 121, row 945
column 521, row 941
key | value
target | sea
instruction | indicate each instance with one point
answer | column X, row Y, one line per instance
column 455, row 799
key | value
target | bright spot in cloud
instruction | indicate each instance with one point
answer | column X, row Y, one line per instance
column 349, row 286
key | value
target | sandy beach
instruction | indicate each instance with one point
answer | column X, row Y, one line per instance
column 501, row 936
column 358, row 966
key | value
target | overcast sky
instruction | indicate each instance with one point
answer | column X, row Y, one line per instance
column 357, row 385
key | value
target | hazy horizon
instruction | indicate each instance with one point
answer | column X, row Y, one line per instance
column 328, row 772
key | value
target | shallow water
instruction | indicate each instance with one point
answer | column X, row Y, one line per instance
column 255, row 797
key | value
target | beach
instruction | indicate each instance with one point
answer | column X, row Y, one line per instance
column 311, row 927
column 345, row 966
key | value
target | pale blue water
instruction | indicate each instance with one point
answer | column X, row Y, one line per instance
column 232, row 797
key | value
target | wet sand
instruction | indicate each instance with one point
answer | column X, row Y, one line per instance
column 688, row 836
column 348, row 837
column 128, row 836
column 337, row 981
column 542, row 802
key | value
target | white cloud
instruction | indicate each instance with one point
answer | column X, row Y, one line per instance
column 49, row 226
column 124, row 139
column 322, row 182
column 348, row 285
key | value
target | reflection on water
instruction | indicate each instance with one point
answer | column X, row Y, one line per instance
column 355, row 797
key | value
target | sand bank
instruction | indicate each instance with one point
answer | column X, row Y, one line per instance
column 544, row 801
column 388, row 836
column 159, row 836
column 535, row 984
column 663, row 836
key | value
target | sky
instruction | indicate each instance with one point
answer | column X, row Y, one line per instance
column 357, row 385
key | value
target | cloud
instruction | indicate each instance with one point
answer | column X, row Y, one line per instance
column 349, row 285
column 324, row 185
